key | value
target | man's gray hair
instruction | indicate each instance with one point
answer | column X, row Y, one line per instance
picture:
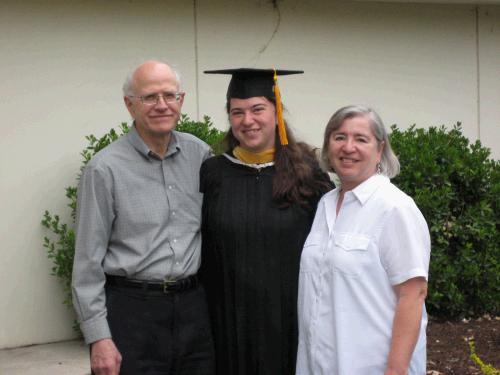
column 389, row 163
column 128, row 85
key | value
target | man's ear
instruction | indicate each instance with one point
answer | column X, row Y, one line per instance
column 130, row 106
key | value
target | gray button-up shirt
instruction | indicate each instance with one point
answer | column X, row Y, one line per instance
column 137, row 216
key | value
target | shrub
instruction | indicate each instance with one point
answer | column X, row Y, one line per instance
column 61, row 244
column 204, row 130
column 457, row 187
column 62, row 249
column 455, row 184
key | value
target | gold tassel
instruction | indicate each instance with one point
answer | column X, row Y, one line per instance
column 279, row 112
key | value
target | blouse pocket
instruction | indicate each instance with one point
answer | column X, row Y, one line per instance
column 350, row 254
column 311, row 253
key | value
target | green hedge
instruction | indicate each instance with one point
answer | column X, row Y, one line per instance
column 456, row 185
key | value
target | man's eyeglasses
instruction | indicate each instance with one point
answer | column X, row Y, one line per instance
column 153, row 99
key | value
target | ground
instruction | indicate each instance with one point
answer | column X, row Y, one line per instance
column 448, row 352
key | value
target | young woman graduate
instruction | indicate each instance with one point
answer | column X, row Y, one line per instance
column 260, row 197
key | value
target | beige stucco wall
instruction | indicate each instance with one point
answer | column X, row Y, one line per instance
column 489, row 68
column 63, row 63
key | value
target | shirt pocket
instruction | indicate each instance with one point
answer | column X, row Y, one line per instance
column 350, row 255
column 312, row 253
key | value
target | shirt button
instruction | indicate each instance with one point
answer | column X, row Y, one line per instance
column 173, row 213
column 177, row 263
column 170, row 187
column 175, row 240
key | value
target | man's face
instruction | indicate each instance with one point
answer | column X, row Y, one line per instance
column 154, row 119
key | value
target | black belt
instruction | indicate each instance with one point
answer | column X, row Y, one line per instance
column 167, row 286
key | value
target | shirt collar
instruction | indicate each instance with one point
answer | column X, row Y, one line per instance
column 365, row 190
column 362, row 193
column 139, row 144
column 173, row 146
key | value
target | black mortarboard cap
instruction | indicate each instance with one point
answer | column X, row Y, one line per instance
column 248, row 82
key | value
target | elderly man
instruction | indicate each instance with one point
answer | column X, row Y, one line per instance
column 135, row 288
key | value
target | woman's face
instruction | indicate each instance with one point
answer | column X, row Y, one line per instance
column 353, row 151
column 253, row 123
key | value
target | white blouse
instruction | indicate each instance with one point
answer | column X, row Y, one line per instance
column 348, row 268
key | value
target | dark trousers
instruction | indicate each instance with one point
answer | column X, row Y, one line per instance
column 161, row 334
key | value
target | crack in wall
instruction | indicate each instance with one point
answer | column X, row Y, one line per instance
column 275, row 31
column 266, row 45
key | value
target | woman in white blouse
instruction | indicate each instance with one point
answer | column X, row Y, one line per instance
column 364, row 266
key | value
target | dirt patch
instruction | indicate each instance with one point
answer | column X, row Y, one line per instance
column 448, row 352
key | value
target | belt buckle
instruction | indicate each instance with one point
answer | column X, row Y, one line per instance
column 166, row 284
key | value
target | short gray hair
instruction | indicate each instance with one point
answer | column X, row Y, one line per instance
column 389, row 163
column 128, row 84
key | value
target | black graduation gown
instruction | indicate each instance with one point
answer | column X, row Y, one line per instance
column 250, row 266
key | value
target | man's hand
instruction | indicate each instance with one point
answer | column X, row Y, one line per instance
column 105, row 359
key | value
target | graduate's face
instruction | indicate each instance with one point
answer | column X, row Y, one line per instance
column 354, row 152
column 253, row 123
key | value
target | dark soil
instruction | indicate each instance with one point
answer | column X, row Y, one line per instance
column 448, row 351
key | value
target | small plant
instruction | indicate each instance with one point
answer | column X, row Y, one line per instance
column 457, row 187
column 62, row 250
column 486, row 369
column 60, row 244
column 204, row 130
